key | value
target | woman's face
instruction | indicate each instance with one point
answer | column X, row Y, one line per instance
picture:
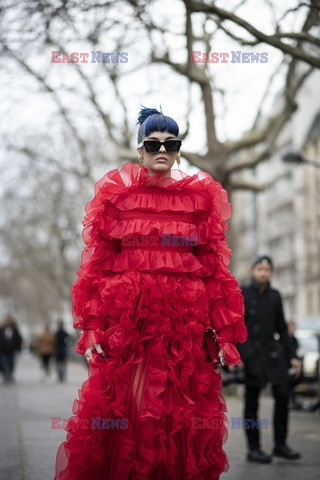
column 161, row 161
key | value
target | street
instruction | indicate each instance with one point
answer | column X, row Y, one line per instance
column 28, row 444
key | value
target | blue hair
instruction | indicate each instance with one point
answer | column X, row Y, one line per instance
column 151, row 120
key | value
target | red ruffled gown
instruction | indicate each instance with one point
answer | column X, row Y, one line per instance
column 153, row 409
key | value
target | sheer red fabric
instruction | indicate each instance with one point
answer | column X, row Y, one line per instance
column 153, row 276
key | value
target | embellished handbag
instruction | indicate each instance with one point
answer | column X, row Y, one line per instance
column 212, row 347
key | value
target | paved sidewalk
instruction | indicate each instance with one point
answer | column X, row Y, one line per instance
column 28, row 444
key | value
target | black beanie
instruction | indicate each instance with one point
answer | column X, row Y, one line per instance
column 262, row 259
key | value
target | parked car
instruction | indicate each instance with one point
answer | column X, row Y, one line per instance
column 309, row 352
column 309, row 323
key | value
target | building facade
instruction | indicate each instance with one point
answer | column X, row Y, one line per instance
column 284, row 219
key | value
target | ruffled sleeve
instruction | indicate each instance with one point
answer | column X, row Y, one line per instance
column 224, row 295
column 97, row 260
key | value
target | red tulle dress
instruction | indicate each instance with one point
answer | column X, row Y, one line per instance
column 153, row 276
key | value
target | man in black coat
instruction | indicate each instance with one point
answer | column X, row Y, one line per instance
column 265, row 360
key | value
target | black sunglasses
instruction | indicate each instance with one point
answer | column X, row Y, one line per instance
column 153, row 146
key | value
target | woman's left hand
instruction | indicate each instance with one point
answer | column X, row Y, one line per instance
column 221, row 356
column 97, row 347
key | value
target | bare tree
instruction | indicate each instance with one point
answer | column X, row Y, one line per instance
column 130, row 22
column 258, row 143
column 39, row 237
column 85, row 121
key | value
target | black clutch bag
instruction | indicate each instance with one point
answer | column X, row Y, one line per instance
column 212, row 347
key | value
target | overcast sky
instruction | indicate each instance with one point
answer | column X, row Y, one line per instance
column 25, row 110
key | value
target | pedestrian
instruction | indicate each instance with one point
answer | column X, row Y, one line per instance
column 265, row 360
column 61, row 351
column 46, row 349
column 153, row 277
column 10, row 344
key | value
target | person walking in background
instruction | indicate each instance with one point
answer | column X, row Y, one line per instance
column 46, row 349
column 10, row 343
column 61, row 351
column 266, row 359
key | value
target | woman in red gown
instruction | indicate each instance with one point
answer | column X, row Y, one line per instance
column 153, row 277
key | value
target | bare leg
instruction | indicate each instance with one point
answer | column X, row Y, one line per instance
column 138, row 384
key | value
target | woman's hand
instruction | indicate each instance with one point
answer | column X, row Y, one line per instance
column 221, row 357
column 97, row 346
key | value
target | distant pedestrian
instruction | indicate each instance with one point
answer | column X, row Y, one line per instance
column 61, row 351
column 266, row 359
column 10, row 343
column 46, row 349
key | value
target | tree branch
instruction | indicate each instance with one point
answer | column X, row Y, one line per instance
column 195, row 159
column 249, row 160
column 265, row 95
column 63, row 111
column 246, row 184
column 273, row 40
column 301, row 36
